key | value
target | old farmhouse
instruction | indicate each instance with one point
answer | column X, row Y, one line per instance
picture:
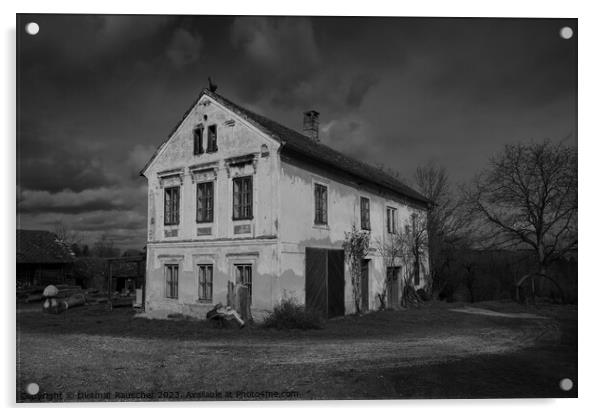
column 235, row 196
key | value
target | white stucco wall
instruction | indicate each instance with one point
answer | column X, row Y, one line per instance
column 222, row 246
column 281, row 228
column 262, row 255
column 299, row 231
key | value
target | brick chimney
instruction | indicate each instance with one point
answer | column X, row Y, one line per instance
column 311, row 124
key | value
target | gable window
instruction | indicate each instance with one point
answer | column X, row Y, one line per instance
column 321, row 204
column 171, row 280
column 242, row 202
column 365, row 213
column 391, row 220
column 244, row 277
column 205, row 282
column 212, row 139
column 172, row 206
column 198, row 139
column 204, row 202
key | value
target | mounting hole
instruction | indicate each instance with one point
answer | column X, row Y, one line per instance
column 32, row 28
column 566, row 384
column 32, row 389
column 566, row 32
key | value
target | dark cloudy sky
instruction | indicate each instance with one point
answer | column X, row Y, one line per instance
column 97, row 95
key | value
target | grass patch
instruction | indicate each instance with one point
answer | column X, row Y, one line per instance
column 289, row 315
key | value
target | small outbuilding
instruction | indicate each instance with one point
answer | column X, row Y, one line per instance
column 42, row 259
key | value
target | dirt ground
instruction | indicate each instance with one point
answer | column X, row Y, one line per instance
column 495, row 349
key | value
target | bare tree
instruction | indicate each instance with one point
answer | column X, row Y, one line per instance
column 105, row 247
column 393, row 250
column 406, row 248
column 417, row 240
column 527, row 197
column 356, row 246
column 446, row 225
column 68, row 237
column 65, row 234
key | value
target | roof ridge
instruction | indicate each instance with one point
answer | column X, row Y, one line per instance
column 413, row 193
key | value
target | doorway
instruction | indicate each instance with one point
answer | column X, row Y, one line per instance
column 364, row 286
column 393, row 287
column 325, row 281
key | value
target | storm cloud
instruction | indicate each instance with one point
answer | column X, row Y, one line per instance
column 97, row 95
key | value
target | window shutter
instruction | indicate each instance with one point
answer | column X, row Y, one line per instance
column 177, row 206
column 316, row 205
column 198, row 140
column 324, row 205
column 236, row 199
column 209, row 208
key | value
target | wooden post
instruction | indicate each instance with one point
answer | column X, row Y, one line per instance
column 109, row 285
column 144, row 286
column 230, row 299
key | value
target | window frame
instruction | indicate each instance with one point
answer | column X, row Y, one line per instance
column 170, row 284
column 212, row 138
column 238, row 210
column 202, row 269
column 202, row 203
column 391, row 219
column 197, row 139
column 240, row 277
column 365, row 213
column 174, row 217
column 320, row 212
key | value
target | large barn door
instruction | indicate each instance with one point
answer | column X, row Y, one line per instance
column 336, row 283
column 316, row 288
column 325, row 281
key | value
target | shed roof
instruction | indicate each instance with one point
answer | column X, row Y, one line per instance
column 41, row 247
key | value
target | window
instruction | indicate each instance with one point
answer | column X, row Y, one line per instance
column 205, row 282
column 365, row 213
column 212, row 139
column 242, row 201
column 321, row 204
column 204, row 202
column 171, row 279
column 244, row 276
column 172, row 206
column 391, row 220
column 198, row 139
column 393, row 272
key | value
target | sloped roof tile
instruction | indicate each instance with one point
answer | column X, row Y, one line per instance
column 41, row 247
column 297, row 144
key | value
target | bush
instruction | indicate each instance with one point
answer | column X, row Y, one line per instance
column 290, row 315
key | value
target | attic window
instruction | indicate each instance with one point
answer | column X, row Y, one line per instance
column 365, row 213
column 212, row 139
column 198, row 140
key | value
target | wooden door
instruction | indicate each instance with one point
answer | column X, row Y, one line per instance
column 336, row 283
column 316, row 286
column 393, row 287
column 365, row 304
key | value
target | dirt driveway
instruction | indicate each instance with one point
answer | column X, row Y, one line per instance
column 434, row 351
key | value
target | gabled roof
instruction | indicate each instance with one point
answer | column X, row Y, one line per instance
column 42, row 247
column 296, row 144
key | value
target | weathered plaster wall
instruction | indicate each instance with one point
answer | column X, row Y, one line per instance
column 281, row 228
column 223, row 256
column 234, row 139
column 222, row 246
column 298, row 231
